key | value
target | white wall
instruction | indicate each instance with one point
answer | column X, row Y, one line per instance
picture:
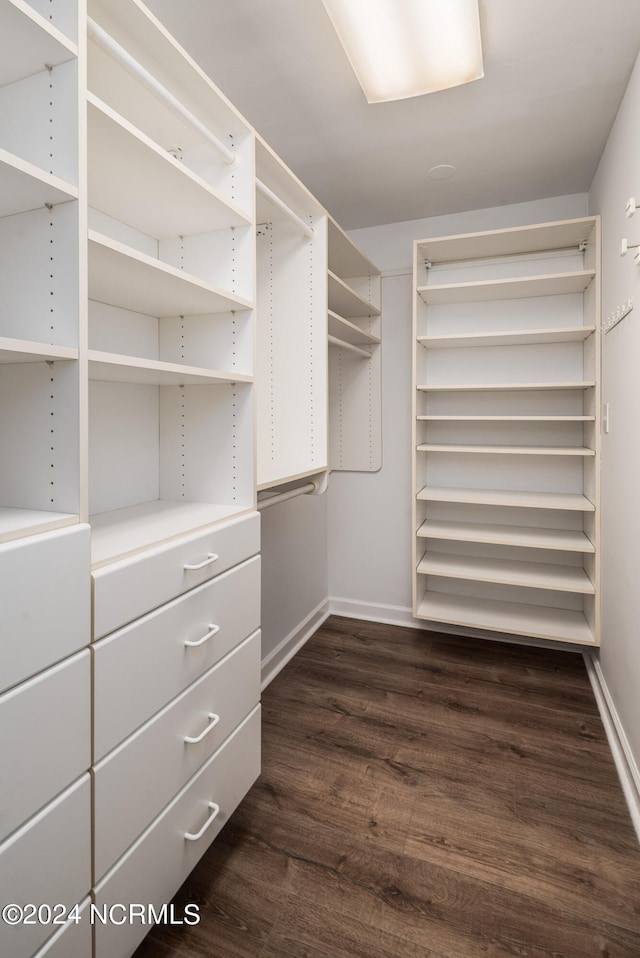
column 369, row 532
column 294, row 574
column 618, row 178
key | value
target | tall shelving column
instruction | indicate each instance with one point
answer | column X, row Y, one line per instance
column 291, row 377
column 355, row 360
column 175, row 534
column 171, row 262
column 45, row 681
column 506, row 434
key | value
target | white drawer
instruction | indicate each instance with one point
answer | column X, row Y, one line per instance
column 45, row 738
column 125, row 590
column 155, row 867
column 73, row 940
column 48, row 861
column 44, row 601
column 140, row 668
column 135, row 782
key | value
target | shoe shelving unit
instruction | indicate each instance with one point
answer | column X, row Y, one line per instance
column 506, row 432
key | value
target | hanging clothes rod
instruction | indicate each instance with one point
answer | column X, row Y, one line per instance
column 356, row 349
column 308, row 231
column 118, row 53
column 290, row 494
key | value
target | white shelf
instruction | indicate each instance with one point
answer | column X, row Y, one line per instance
column 345, row 258
column 571, row 502
column 531, row 575
column 124, row 532
column 524, row 337
column 18, row 523
column 347, row 303
column 110, row 367
column 507, row 242
column 132, row 179
column 495, row 387
column 25, row 187
column 122, row 276
column 515, row 618
column 507, row 450
column 562, row 540
column 23, row 351
column 521, row 287
column 349, row 332
column 28, row 41
column 505, row 418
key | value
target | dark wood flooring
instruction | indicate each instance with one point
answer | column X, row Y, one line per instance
column 422, row 796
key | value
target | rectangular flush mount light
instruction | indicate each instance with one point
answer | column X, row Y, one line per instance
column 404, row 48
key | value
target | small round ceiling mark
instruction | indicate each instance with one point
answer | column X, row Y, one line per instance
column 442, row 171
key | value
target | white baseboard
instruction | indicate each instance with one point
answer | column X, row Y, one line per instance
column 292, row 643
column 618, row 743
column 374, row 612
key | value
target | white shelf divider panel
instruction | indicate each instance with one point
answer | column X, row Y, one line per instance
column 531, row 575
column 38, row 80
column 510, row 618
column 28, row 41
column 109, row 367
column 506, row 450
column 25, row 187
column 553, row 284
column 23, row 351
column 355, row 374
column 509, row 387
column 122, row 276
column 525, row 337
column 507, row 498
column 139, row 183
column 512, row 241
column 349, row 332
column 130, row 530
column 19, row 523
column 346, row 302
column 562, row 540
column 507, row 419
column 508, row 393
column 291, row 374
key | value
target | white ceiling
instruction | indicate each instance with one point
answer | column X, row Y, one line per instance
column 535, row 126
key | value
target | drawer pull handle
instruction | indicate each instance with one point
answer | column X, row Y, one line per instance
column 193, row 740
column 211, row 558
column 215, row 811
column 214, row 629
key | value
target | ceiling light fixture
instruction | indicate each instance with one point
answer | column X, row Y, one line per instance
column 404, row 48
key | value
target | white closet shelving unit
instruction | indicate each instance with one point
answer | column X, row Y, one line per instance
column 355, row 370
column 45, row 705
column 506, row 433
column 39, row 246
column 171, row 461
column 291, row 376
column 170, row 292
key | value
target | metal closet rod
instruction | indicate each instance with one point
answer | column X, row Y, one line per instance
column 356, row 349
column 261, row 187
column 290, row 494
column 118, row 53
